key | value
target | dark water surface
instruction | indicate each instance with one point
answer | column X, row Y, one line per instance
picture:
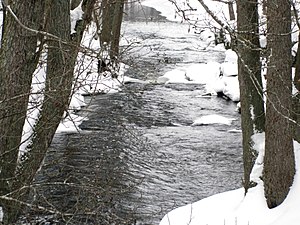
column 137, row 156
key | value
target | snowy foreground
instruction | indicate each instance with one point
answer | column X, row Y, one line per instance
column 233, row 208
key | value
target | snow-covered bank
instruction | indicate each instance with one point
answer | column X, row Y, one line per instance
column 217, row 77
column 233, row 207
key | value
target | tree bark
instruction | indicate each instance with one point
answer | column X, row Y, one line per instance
column 296, row 116
column 61, row 59
column 231, row 11
column 112, row 15
column 279, row 162
column 19, row 46
column 18, row 60
column 57, row 91
column 249, row 70
column 297, row 67
column 116, row 29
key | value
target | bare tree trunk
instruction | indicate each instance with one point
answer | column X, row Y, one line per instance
column 60, row 65
column 296, row 99
column 58, row 87
column 61, row 61
column 60, row 68
column 18, row 60
column 297, row 67
column 116, row 28
column 296, row 117
column 231, row 11
column 279, row 162
column 107, row 19
column 252, row 106
column 112, row 15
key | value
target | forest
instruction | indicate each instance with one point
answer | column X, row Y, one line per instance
column 51, row 49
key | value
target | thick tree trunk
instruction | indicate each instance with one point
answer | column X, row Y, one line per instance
column 279, row 163
column 18, row 60
column 58, row 87
column 61, row 59
column 249, row 70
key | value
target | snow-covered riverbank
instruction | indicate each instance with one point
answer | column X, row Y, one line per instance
column 231, row 207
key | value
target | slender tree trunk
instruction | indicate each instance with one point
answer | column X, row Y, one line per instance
column 297, row 67
column 18, row 60
column 296, row 99
column 231, row 11
column 107, row 8
column 249, row 70
column 116, row 29
column 296, row 116
column 112, row 15
column 279, row 162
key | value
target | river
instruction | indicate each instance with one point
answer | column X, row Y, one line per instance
column 137, row 156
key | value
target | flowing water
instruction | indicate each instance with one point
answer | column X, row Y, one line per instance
column 137, row 156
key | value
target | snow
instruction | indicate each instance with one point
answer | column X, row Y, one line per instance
column 216, row 77
column 233, row 207
column 75, row 15
column 230, row 65
column 202, row 73
column 212, row 119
